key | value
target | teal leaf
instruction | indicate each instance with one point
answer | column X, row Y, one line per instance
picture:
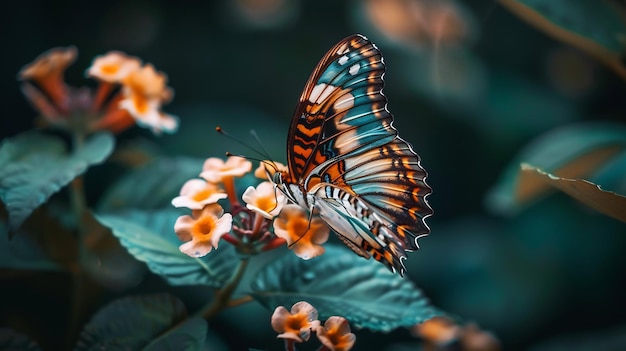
column 575, row 151
column 344, row 284
column 590, row 194
column 597, row 27
column 152, row 186
column 612, row 175
column 150, row 322
column 10, row 340
column 33, row 166
column 149, row 236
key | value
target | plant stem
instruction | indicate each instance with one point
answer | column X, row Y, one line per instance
column 239, row 301
column 222, row 296
column 77, row 193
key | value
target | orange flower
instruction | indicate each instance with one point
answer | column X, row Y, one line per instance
column 144, row 90
column 113, row 67
column 438, row 330
column 196, row 193
column 265, row 199
column 296, row 325
column 147, row 82
column 336, row 334
column 265, row 168
column 202, row 231
column 473, row 338
column 47, row 71
column 304, row 235
column 215, row 169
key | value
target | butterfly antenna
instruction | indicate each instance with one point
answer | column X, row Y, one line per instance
column 264, row 152
column 240, row 142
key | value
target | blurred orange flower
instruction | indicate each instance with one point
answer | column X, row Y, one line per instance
column 143, row 91
column 47, row 72
column 113, row 67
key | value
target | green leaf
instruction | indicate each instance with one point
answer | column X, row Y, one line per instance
column 576, row 151
column 597, row 27
column 10, row 340
column 33, row 166
column 342, row 283
column 152, row 186
column 612, row 175
column 190, row 336
column 149, row 236
column 609, row 203
column 151, row 322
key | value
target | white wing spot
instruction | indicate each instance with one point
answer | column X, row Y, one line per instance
column 354, row 69
column 343, row 60
column 320, row 92
column 343, row 50
column 343, row 103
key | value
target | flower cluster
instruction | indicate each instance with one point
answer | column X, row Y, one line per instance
column 441, row 331
column 296, row 326
column 264, row 223
column 128, row 92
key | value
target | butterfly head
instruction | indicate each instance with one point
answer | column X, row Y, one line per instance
column 277, row 178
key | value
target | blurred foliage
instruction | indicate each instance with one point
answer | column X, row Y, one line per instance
column 477, row 87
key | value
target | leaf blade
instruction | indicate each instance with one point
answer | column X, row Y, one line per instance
column 595, row 27
column 590, row 194
column 33, row 166
column 575, row 151
column 149, row 236
column 141, row 322
column 341, row 283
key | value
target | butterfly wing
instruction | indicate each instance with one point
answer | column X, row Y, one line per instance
column 368, row 183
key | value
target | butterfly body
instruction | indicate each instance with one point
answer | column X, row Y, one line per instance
column 347, row 163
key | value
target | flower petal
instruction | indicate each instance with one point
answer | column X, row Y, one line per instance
column 113, row 67
column 197, row 193
column 265, row 199
column 296, row 325
column 279, row 318
column 222, row 227
column 335, row 334
column 303, row 234
column 196, row 248
column 182, row 227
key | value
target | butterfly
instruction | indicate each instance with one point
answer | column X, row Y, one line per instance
column 347, row 163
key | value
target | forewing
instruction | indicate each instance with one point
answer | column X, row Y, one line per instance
column 341, row 108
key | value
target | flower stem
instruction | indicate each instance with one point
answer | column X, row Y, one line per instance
column 222, row 296
column 229, row 186
column 239, row 301
column 77, row 193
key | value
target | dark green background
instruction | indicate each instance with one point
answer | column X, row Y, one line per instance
column 555, row 268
